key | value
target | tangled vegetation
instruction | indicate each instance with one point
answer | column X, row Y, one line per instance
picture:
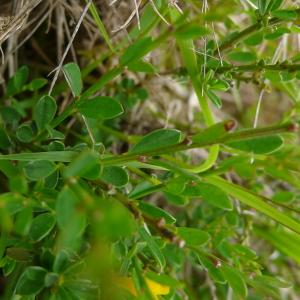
column 159, row 159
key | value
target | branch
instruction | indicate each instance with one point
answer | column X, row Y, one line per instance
column 259, row 67
column 234, row 39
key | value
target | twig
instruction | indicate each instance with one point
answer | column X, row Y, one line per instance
column 259, row 67
column 232, row 41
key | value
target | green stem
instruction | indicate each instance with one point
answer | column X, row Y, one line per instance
column 233, row 40
column 259, row 67
column 190, row 61
column 230, row 137
column 67, row 156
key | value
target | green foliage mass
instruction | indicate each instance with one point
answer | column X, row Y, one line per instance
column 84, row 205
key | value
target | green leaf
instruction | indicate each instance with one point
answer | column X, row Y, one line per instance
column 262, row 6
column 242, row 56
column 235, row 280
column 276, row 33
column 41, row 226
column 191, row 31
column 23, row 221
column 82, row 165
column 272, row 281
column 157, row 139
column 164, row 279
column 259, row 145
column 73, row 77
column 210, row 194
column 18, row 183
column 156, row 212
column 213, row 132
column 19, row 79
column 51, row 279
column 39, row 169
column 193, row 236
column 284, row 197
column 143, row 189
column 141, row 66
column 36, row 84
column 214, row 98
column 61, row 262
column 212, row 268
column 285, row 14
column 255, row 201
column 65, row 207
column 31, row 282
column 100, row 108
column 220, row 85
column 55, row 134
column 56, row 146
column 175, row 199
column 153, row 247
column 285, row 241
column 254, row 39
column 176, row 185
column 136, row 51
column 274, row 5
column 115, row 175
column 70, row 219
column 5, row 142
column 44, row 112
column 10, row 115
column 25, row 133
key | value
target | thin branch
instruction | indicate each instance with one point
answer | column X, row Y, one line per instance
column 233, row 40
column 259, row 67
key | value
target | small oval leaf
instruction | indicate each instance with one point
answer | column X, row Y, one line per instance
column 157, row 139
column 191, row 31
column 136, row 51
column 210, row 193
column 82, row 165
column 73, row 77
column 41, row 226
column 156, row 212
column 153, row 247
column 44, row 112
column 193, row 236
column 235, row 280
column 242, row 56
column 100, row 108
column 31, row 281
column 115, row 175
column 18, row 80
column 39, row 169
column 259, row 145
column 285, row 14
column 25, row 133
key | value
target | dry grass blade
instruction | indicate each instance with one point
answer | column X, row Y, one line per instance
column 9, row 25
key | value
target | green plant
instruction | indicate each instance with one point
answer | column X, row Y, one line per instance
column 77, row 215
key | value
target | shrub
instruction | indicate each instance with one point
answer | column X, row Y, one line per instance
column 92, row 209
